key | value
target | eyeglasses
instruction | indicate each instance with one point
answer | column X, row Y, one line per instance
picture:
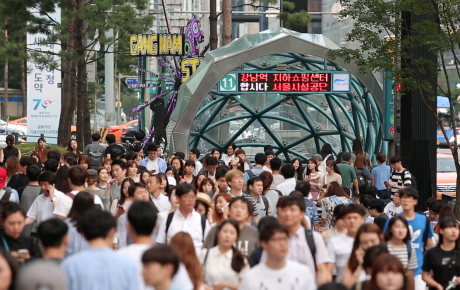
column 407, row 197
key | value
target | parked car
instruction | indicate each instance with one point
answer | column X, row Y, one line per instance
column 446, row 175
column 23, row 122
column 118, row 129
column 128, row 132
column 7, row 128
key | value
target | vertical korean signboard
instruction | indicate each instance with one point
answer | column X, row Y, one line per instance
column 43, row 94
column 389, row 124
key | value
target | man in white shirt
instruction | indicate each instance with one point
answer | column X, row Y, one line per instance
column 339, row 248
column 77, row 179
column 290, row 214
column 394, row 207
column 152, row 162
column 184, row 219
column 277, row 272
column 227, row 158
column 289, row 183
column 139, row 193
column 194, row 155
column 160, row 200
column 141, row 222
column 43, row 206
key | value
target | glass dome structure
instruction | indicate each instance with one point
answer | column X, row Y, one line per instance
column 296, row 125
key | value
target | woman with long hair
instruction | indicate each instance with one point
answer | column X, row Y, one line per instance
column 362, row 170
column 103, row 179
column 237, row 163
column 221, row 204
column 205, row 161
column 216, row 153
column 73, row 148
column 358, row 149
column 84, row 162
column 122, row 204
column 164, row 186
column 172, row 172
column 443, row 261
column 387, row 274
column 144, row 178
column 62, row 179
column 224, row 266
column 184, row 245
column 314, row 177
column 188, row 177
column 13, row 239
column 368, row 235
column 326, row 151
column 271, row 194
column 133, row 170
column 297, row 163
column 198, row 179
column 371, row 255
column 9, row 269
column 83, row 202
column 206, row 186
column 9, row 150
column 333, row 196
column 177, row 164
column 333, row 173
column 398, row 242
column 13, row 167
column 338, row 223
column 45, row 152
column 107, row 164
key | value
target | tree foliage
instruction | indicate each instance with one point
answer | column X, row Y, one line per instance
column 388, row 43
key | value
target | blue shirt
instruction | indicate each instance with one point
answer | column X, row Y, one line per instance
column 162, row 166
column 100, row 269
column 311, row 211
column 381, row 173
column 256, row 171
column 417, row 228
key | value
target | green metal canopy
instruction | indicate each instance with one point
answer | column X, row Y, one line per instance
column 296, row 125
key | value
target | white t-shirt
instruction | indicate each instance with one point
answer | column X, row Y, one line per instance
column 42, row 207
column 135, row 252
column 198, row 167
column 162, row 203
column 391, row 210
column 64, row 204
column 153, row 165
column 339, row 249
column 294, row 276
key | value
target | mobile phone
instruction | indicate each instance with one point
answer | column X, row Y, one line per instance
column 23, row 251
column 225, row 206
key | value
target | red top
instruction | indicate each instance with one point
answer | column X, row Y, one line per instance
column 39, row 151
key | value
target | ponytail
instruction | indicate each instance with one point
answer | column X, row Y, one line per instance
column 238, row 260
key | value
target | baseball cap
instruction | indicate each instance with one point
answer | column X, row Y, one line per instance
column 92, row 173
column 41, row 274
column 317, row 157
column 3, row 175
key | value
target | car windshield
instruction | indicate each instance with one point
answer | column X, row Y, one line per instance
column 445, row 165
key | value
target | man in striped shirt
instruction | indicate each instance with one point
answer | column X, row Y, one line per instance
column 400, row 177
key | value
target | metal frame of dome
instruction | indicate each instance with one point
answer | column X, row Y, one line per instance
column 308, row 50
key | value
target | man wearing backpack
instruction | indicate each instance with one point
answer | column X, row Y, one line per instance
column 95, row 151
column 184, row 219
column 305, row 246
column 259, row 160
column 263, row 206
column 420, row 230
column 400, row 177
column 311, row 210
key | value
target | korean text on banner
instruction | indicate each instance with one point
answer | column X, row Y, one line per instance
column 43, row 94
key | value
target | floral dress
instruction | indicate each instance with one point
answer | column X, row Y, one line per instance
column 329, row 203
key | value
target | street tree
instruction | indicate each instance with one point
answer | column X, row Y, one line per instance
column 84, row 24
column 387, row 43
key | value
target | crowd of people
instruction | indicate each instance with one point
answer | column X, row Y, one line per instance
column 116, row 217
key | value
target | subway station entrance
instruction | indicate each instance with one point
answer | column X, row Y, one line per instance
column 277, row 88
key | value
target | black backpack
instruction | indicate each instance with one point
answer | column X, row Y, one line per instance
column 363, row 180
column 95, row 157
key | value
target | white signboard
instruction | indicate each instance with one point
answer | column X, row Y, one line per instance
column 341, row 83
column 43, row 94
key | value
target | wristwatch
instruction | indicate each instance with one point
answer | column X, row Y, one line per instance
column 53, row 199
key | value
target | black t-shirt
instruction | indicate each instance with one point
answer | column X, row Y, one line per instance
column 23, row 242
column 445, row 265
column 18, row 180
column 115, row 151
